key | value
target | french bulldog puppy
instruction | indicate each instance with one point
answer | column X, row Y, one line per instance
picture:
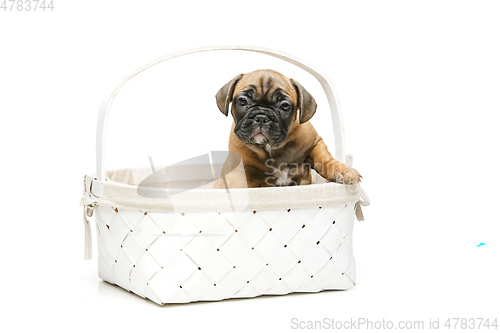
column 272, row 135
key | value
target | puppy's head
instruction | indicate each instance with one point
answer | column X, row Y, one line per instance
column 265, row 105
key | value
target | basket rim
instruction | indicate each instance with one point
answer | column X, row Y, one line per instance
column 120, row 195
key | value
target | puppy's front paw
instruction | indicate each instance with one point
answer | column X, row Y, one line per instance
column 344, row 174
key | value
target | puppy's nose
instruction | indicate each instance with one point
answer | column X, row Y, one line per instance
column 261, row 119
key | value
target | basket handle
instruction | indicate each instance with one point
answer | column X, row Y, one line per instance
column 338, row 128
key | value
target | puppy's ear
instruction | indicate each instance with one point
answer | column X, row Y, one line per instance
column 305, row 103
column 225, row 95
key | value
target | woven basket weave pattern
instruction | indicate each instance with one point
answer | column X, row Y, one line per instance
column 184, row 257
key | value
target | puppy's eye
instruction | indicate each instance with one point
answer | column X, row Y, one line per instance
column 285, row 106
column 242, row 101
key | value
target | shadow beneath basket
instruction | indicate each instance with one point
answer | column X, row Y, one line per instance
column 106, row 289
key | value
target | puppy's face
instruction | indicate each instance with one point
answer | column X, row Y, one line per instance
column 265, row 105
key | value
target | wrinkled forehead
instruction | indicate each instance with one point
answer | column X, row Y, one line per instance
column 266, row 84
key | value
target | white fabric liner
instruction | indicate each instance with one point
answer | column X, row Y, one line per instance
column 121, row 190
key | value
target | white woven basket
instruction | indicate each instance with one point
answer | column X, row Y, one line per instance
column 206, row 244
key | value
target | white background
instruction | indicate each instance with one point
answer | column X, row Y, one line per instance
column 419, row 86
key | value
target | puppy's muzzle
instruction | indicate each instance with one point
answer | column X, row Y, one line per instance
column 261, row 125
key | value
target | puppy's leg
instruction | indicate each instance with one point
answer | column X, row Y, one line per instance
column 328, row 167
column 232, row 174
column 219, row 184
